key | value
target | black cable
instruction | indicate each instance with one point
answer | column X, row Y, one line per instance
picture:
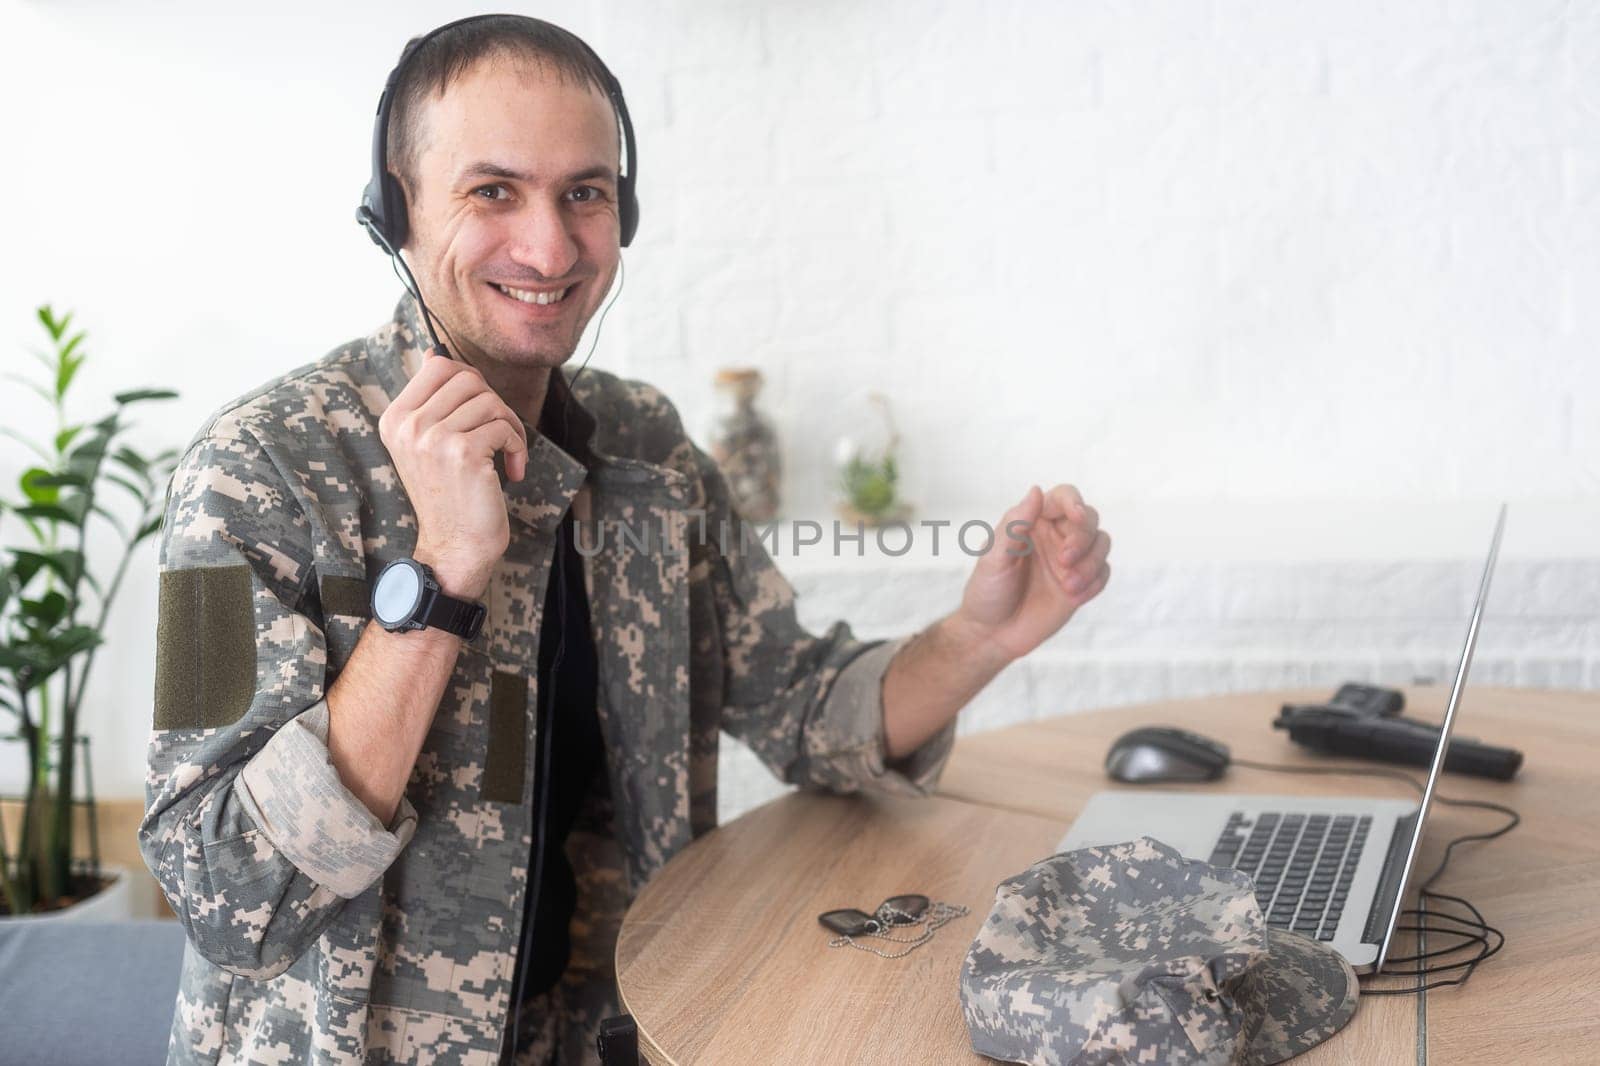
column 1477, row 922
column 1365, row 771
column 622, row 279
column 409, row 282
column 1466, row 965
column 1482, row 930
column 1516, row 820
column 1466, row 937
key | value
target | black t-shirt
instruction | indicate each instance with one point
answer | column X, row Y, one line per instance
column 566, row 693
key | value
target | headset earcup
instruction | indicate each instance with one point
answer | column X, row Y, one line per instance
column 397, row 227
column 629, row 217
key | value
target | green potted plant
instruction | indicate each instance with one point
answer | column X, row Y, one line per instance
column 53, row 610
column 869, row 477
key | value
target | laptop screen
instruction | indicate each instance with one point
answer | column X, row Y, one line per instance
column 1444, row 737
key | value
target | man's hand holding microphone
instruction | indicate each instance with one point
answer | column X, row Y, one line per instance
column 442, row 432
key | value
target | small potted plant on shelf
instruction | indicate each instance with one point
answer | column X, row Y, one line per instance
column 869, row 476
column 53, row 610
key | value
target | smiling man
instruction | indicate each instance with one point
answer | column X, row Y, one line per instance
column 413, row 751
column 512, row 182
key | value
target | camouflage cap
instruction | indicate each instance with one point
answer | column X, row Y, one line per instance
column 1132, row 953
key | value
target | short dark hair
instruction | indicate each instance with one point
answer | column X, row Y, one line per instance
column 450, row 54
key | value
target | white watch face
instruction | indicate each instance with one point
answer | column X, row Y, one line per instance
column 396, row 594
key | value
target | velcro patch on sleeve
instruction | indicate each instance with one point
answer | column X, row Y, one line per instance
column 205, row 647
column 508, row 738
column 345, row 595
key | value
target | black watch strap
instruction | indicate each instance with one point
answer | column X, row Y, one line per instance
column 461, row 617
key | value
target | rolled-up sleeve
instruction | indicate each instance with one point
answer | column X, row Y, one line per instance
column 854, row 714
column 292, row 791
column 255, row 841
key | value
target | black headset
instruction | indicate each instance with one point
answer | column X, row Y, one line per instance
column 383, row 202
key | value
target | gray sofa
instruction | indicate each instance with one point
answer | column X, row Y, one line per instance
column 83, row 993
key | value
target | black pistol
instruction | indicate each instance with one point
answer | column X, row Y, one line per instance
column 1363, row 722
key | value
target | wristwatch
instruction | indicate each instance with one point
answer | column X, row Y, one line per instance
column 406, row 596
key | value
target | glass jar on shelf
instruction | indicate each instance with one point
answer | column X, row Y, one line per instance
column 745, row 445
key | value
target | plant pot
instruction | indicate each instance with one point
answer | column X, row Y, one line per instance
column 897, row 514
column 113, row 903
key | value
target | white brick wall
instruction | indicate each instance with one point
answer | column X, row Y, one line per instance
column 1278, row 254
column 1232, row 249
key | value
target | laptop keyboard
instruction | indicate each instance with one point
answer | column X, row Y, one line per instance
column 1302, row 864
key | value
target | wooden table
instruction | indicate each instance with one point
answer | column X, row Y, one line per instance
column 721, row 959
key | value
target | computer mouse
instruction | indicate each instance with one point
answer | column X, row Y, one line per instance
column 1160, row 753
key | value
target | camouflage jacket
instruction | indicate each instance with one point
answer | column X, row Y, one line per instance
column 315, row 933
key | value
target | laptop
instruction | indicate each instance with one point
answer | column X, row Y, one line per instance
column 1334, row 868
